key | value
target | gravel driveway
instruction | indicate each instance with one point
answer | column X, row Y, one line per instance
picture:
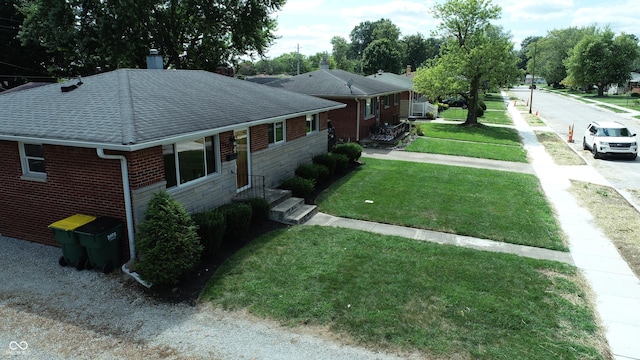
column 51, row 312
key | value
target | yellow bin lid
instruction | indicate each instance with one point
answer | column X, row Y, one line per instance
column 72, row 222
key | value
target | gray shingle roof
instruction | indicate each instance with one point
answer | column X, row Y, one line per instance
column 135, row 106
column 333, row 84
column 402, row 81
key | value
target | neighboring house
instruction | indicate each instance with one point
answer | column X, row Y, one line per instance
column 416, row 106
column 529, row 78
column 105, row 145
column 632, row 85
column 371, row 105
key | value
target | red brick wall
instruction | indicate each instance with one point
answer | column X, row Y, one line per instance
column 146, row 167
column 344, row 120
column 78, row 182
column 296, row 128
column 259, row 137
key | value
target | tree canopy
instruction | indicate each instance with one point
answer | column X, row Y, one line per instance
column 81, row 36
column 475, row 53
column 602, row 59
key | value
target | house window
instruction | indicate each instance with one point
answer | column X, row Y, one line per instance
column 387, row 101
column 312, row 123
column 371, row 107
column 276, row 132
column 396, row 99
column 32, row 159
column 190, row 160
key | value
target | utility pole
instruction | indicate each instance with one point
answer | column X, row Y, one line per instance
column 533, row 75
column 298, row 52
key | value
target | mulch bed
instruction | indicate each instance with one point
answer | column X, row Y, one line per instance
column 188, row 291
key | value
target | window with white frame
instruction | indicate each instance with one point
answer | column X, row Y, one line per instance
column 276, row 132
column 371, row 107
column 312, row 123
column 396, row 99
column 32, row 159
column 387, row 101
column 190, row 160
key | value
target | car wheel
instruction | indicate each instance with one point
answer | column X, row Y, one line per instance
column 596, row 154
column 633, row 156
column 584, row 144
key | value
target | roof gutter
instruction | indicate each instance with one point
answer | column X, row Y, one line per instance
column 164, row 141
column 124, row 170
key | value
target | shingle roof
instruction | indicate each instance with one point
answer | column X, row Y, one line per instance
column 135, row 106
column 402, row 81
column 333, row 84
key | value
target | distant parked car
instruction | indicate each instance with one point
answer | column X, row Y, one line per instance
column 609, row 138
column 456, row 102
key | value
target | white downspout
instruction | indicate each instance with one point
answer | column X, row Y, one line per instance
column 358, row 120
column 124, row 170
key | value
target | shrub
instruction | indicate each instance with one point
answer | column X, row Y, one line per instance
column 211, row 229
column 299, row 186
column 479, row 111
column 353, row 151
column 167, row 242
column 342, row 162
column 482, row 105
column 327, row 160
column 442, row 107
column 419, row 130
column 635, row 95
column 259, row 209
column 430, row 116
column 237, row 216
column 315, row 172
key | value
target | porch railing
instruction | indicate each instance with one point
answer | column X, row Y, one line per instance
column 256, row 187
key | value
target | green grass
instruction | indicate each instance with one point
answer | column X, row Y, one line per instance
column 404, row 295
column 482, row 203
column 470, row 149
column 499, row 117
column 480, row 134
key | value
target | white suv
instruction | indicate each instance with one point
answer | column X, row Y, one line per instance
column 609, row 138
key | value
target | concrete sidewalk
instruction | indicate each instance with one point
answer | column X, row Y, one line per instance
column 616, row 287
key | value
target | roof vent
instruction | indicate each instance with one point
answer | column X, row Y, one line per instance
column 154, row 60
column 72, row 87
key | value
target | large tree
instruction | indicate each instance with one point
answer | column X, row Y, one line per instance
column 193, row 34
column 419, row 49
column 602, row 59
column 384, row 36
column 340, row 54
column 18, row 64
column 475, row 53
column 552, row 50
column 382, row 55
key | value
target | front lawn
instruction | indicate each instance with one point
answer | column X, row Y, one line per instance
column 480, row 134
column 406, row 296
column 470, row 149
column 482, row 203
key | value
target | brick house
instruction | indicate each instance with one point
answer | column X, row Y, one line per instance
column 105, row 144
column 371, row 105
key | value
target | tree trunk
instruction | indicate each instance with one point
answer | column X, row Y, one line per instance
column 472, row 106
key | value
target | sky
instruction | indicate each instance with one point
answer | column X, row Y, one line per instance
column 310, row 24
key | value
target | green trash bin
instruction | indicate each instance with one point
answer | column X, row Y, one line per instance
column 73, row 254
column 101, row 239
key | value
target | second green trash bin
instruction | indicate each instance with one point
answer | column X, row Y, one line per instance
column 63, row 230
column 101, row 238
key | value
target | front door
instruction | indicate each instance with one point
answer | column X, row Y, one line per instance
column 242, row 161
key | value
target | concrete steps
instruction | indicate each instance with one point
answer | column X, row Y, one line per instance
column 292, row 211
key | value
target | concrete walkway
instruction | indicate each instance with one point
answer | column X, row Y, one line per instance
column 616, row 287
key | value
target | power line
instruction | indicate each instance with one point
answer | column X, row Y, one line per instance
column 22, row 67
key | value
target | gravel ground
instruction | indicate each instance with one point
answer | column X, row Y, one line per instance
column 53, row 312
